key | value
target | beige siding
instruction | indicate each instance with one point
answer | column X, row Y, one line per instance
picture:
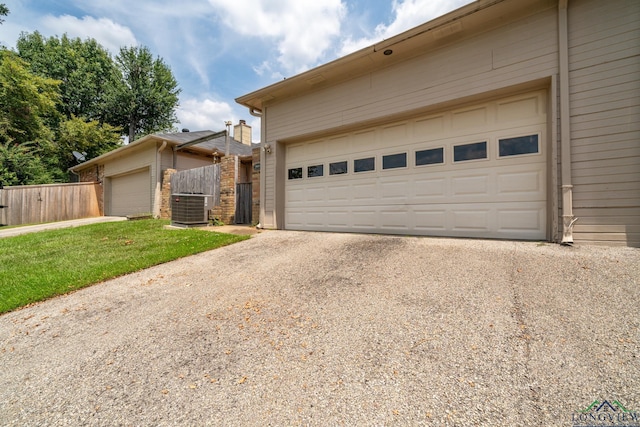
column 186, row 161
column 166, row 159
column 604, row 61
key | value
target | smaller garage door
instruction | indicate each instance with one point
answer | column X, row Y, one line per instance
column 131, row 193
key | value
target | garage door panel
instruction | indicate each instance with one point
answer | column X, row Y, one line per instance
column 429, row 188
column 470, row 185
column 395, row 191
column 430, row 219
column 315, row 194
column 296, row 196
column 428, row 128
column 315, row 218
column 394, row 219
column 338, row 218
column 520, row 183
column 499, row 197
column 367, row 220
column 526, row 216
column 131, row 194
column 296, row 219
column 338, row 193
column 470, row 219
column 367, row 192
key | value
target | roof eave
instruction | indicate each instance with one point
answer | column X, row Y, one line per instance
column 102, row 157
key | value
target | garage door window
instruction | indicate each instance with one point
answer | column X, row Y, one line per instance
column 518, row 146
column 393, row 161
column 316, row 170
column 474, row 151
column 295, row 173
column 430, row 157
column 337, row 168
column 364, row 165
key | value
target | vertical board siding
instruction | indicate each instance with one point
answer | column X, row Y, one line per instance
column 204, row 180
column 244, row 196
column 34, row 204
column 604, row 63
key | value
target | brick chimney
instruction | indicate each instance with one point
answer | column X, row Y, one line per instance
column 242, row 132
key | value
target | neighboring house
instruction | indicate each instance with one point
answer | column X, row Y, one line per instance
column 132, row 176
column 502, row 119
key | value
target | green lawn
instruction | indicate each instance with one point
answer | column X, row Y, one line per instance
column 37, row 266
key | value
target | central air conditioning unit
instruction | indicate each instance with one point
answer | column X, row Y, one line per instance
column 190, row 210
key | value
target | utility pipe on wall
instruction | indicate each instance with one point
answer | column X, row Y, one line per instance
column 568, row 220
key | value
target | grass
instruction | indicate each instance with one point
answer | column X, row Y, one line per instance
column 37, row 266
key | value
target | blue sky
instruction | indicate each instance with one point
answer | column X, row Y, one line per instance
column 219, row 50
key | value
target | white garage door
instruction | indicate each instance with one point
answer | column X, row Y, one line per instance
column 131, row 193
column 478, row 171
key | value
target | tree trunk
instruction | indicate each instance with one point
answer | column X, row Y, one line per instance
column 132, row 131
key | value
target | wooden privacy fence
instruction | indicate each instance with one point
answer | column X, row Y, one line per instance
column 33, row 204
column 244, row 197
column 204, row 180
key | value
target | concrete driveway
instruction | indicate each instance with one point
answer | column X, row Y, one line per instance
column 293, row 328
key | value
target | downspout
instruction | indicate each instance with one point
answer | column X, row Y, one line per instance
column 568, row 220
column 263, row 162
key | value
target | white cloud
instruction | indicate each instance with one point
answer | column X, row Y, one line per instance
column 303, row 31
column 407, row 14
column 111, row 35
column 208, row 114
column 204, row 114
column 266, row 68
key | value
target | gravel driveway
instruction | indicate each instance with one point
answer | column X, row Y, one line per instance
column 294, row 328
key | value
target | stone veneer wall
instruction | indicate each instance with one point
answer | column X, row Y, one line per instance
column 165, row 204
column 226, row 212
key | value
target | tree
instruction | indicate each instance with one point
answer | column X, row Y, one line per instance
column 4, row 11
column 27, row 104
column 90, row 137
column 21, row 165
column 146, row 100
column 85, row 69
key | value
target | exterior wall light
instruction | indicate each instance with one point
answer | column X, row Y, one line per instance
column 267, row 148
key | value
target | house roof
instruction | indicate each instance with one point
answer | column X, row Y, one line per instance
column 471, row 19
column 211, row 142
column 206, row 142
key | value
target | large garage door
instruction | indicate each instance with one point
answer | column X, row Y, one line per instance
column 478, row 171
column 131, row 193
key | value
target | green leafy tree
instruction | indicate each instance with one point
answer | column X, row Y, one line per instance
column 20, row 164
column 85, row 69
column 146, row 100
column 27, row 104
column 4, row 11
column 91, row 138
